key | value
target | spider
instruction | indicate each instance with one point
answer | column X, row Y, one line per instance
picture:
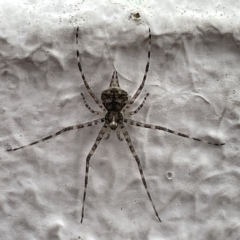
column 115, row 104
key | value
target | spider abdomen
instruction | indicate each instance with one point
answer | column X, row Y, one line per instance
column 113, row 119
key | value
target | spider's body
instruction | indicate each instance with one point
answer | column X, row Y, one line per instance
column 114, row 103
column 114, row 99
column 113, row 119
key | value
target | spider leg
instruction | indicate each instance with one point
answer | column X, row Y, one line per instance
column 74, row 127
column 108, row 131
column 88, row 107
column 114, row 81
column 94, row 147
column 119, row 135
column 150, row 126
column 140, row 106
column 84, row 80
column 131, row 101
column 129, row 142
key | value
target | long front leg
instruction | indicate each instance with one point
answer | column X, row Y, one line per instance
column 150, row 126
column 74, row 127
column 94, row 147
column 131, row 101
column 114, row 81
column 129, row 142
column 84, row 80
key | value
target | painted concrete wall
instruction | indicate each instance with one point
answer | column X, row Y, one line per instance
column 193, row 82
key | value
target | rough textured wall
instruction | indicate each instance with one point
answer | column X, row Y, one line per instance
column 193, row 82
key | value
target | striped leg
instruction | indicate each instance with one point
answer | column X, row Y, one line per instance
column 150, row 126
column 84, row 80
column 131, row 101
column 88, row 107
column 108, row 131
column 119, row 135
column 140, row 106
column 114, row 81
column 129, row 142
column 74, row 127
column 94, row 147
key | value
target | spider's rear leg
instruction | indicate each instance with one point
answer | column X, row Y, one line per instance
column 150, row 126
column 108, row 132
column 129, row 142
column 94, row 147
column 118, row 132
column 74, row 127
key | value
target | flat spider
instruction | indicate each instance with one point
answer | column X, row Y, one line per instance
column 114, row 103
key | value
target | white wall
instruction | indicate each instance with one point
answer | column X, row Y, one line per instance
column 193, row 83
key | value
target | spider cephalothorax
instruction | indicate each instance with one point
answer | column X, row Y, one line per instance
column 114, row 103
column 114, row 98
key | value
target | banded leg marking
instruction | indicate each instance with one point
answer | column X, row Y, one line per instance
column 140, row 106
column 150, row 126
column 129, row 142
column 108, row 132
column 114, row 81
column 84, row 80
column 94, row 147
column 74, row 127
column 119, row 134
column 131, row 101
column 88, row 107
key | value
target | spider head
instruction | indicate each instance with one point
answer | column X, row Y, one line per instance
column 114, row 99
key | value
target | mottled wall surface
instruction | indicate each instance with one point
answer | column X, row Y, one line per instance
column 193, row 82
